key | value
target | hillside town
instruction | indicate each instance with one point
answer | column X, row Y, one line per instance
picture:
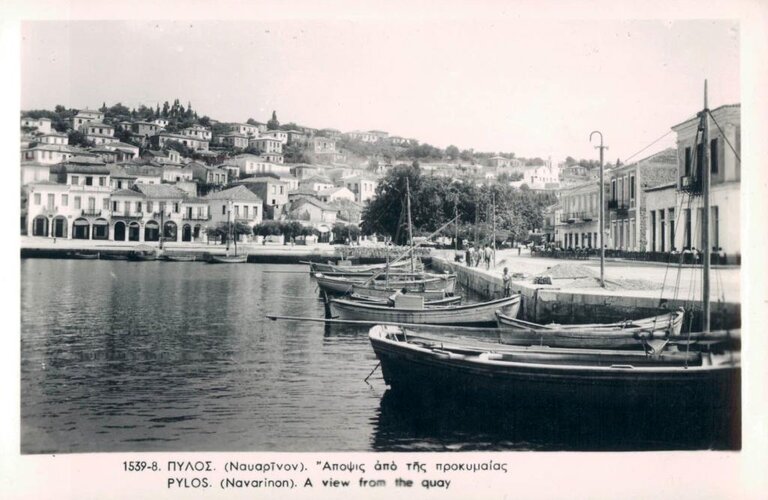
column 168, row 175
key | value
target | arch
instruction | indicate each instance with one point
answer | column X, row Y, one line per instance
column 196, row 232
column 59, row 228
column 118, row 232
column 151, row 231
column 100, row 229
column 170, row 231
column 40, row 226
column 81, row 229
column 134, row 231
column 186, row 233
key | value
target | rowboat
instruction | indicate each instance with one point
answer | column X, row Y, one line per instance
column 381, row 290
column 318, row 267
column 468, row 314
column 453, row 300
column 536, row 376
column 228, row 259
column 343, row 285
column 180, row 258
column 600, row 335
column 141, row 255
column 85, row 255
column 113, row 256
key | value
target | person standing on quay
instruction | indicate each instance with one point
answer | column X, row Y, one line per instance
column 506, row 280
column 468, row 256
column 487, row 256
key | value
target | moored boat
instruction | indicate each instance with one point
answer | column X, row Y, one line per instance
column 600, row 335
column 343, row 285
column 515, row 375
column 469, row 314
column 453, row 300
column 317, row 267
column 84, row 255
column 228, row 259
column 383, row 291
column 180, row 257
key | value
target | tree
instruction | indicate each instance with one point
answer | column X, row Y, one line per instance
column 177, row 146
column 273, row 124
column 466, row 155
column 452, row 152
column 77, row 138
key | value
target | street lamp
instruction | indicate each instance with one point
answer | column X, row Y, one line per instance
column 601, row 202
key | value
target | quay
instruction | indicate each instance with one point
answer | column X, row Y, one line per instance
column 558, row 302
column 269, row 253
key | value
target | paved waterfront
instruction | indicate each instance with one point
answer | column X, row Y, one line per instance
column 726, row 281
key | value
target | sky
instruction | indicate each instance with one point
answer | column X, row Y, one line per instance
column 532, row 88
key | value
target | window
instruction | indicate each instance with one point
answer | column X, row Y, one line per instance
column 245, row 211
column 632, row 187
column 119, row 184
column 223, row 210
column 149, row 206
column 88, row 180
column 91, row 203
column 687, row 242
column 281, row 189
column 255, row 211
column 77, row 203
column 105, row 203
column 37, row 199
column 138, row 206
column 613, row 189
column 115, row 206
column 102, row 181
column 175, row 207
column 662, row 231
column 714, row 156
column 672, row 228
column 65, row 200
column 51, row 201
column 715, row 216
column 75, row 180
column 237, row 210
column 687, row 170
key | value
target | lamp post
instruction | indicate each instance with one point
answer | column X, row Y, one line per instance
column 601, row 208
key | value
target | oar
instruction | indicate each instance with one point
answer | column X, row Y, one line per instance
column 495, row 331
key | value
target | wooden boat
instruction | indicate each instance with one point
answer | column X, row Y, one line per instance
column 317, row 267
column 445, row 301
column 180, row 257
column 383, row 291
column 85, row 255
column 113, row 256
column 516, row 376
column 228, row 259
column 142, row 255
column 343, row 285
column 634, row 333
column 468, row 314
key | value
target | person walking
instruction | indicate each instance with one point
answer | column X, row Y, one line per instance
column 487, row 256
column 468, row 256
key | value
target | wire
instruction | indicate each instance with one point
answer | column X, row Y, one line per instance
column 724, row 137
column 648, row 146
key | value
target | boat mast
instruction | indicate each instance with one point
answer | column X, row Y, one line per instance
column 456, row 227
column 493, row 212
column 601, row 208
column 410, row 226
column 229, row 224
column 705, row 179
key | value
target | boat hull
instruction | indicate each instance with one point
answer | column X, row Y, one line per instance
column 409, row 368
column 607, row 336
column 228, row 259
column 470, row 314
column 384, row 292
column 453, row 300
column 343, row 286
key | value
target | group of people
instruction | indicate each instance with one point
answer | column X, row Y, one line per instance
column 475, row 255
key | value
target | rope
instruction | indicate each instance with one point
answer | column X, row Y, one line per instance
column 648, row 146
column 724, row 136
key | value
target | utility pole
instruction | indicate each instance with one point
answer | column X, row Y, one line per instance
column 705, row 178
column 493, row 203
column 601, row 208
column 410, row 225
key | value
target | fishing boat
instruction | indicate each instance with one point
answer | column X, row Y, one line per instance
column 514, row 375
column 344, row 285
column 445, row 301
column 228, row 258
column 143, row 253
column 469, row 314
column 84, row 255
column 113, row 256
column 317, row 267
column 382, row 291
column 624, row 334
column 180, row 257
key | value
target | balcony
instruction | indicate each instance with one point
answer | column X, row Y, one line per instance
column 91, row 212
column 690, row 184
column 620, row 207
column 577, row 217
column 128, row 215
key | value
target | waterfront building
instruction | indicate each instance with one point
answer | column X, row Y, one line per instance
column 725, row 186
column 272, row 190
column 626, row 213
column 32, row 171
column 661, row 217
column 86, row 116
column 162, row 211
column 41, row 125
column 578, row 224
column 160, row 139
column 236, row 204
column 551, row 216
column 363, row 187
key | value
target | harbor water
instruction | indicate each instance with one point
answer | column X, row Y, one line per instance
column 175, row 356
